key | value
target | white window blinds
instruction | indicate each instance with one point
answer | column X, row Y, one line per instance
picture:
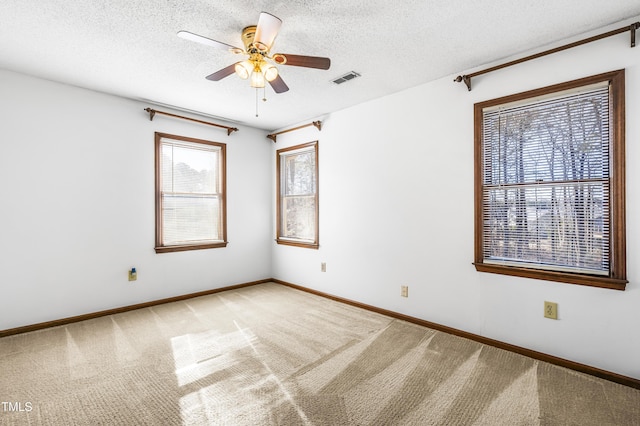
column 545, row 190
column 190, row 190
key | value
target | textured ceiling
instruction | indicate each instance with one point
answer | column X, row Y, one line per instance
column 130, row 48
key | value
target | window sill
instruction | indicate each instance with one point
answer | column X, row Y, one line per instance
column 170, row 249
column 563, row 277
column 313, row 246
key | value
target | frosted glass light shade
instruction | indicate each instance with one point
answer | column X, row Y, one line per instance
column 270, row 72
column 257, row 78
column 244, row 69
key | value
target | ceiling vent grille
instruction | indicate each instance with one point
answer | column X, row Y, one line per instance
column 344, row 78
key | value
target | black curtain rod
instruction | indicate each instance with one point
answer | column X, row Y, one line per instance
column 632, row 28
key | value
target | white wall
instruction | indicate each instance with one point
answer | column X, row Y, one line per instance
column 386, row 165
column 77, row 205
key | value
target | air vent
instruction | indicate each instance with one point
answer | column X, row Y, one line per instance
column 348, row 76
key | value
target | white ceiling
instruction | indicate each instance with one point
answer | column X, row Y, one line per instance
column 130, row 48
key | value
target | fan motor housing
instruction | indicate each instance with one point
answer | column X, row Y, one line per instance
column 248, row 34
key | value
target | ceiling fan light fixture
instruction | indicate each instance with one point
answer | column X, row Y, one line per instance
column 258, row 41
column 244, row 69
column 270, row 72
column 257, row 78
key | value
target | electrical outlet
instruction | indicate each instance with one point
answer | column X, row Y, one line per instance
column 404, row 291
column 551, row 310
column 323, row 267
column 133, row 274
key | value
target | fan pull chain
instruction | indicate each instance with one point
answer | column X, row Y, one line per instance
column 264, row 97
column 256, row 101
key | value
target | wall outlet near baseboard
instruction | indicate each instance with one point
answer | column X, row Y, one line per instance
column 133, row 274
column 404, row 290
column 551, row 310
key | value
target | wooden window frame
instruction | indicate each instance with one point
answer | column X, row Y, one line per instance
column 159, row 247
column 617, row 277
column 279, row 199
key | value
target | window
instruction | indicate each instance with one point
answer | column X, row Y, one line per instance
column 549, row 183
column 297, row 204
column 190, row 194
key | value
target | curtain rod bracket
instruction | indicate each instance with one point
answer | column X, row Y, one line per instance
column 632, row 28
column 151, row 112
column 466, row 79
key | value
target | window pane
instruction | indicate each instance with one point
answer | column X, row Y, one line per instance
column 298, row 217
column 189, row 219
column 299, row 169
column 556, row 140
column 189, row 170
column 564, row 226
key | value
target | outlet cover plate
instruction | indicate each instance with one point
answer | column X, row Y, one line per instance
column 551, row 310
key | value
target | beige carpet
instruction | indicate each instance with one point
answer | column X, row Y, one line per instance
column 272, row 355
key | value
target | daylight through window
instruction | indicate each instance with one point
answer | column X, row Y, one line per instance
column 190, row 199
column 297, row 170
column 549, row 188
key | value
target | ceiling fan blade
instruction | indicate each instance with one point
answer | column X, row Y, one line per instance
column 209, row 42
column 224, row 72
column 266, row 31
column 302, row 61
column 278, row 85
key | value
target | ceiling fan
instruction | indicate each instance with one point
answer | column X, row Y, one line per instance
column 259, row 67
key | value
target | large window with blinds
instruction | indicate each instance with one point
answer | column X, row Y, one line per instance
column 549, row 183
column 190, row 194
column 297, row 203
